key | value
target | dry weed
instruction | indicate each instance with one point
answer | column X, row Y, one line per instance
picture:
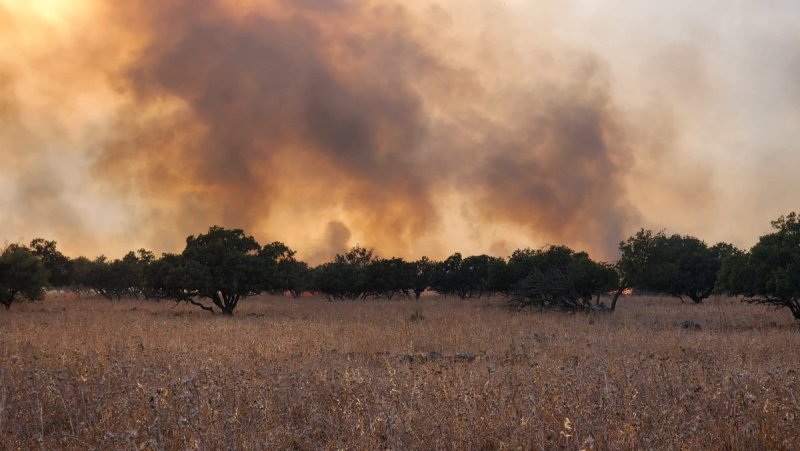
column 310, row 374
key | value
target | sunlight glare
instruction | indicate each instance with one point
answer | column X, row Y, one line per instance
column 49, row 10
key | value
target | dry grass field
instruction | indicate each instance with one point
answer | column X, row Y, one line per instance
column 310, row 374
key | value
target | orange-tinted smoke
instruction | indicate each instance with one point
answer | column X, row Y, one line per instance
column 324, row 124
column 238, row 111
column 302, row 104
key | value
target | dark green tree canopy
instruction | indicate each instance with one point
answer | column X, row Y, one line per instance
column 558, row 278
column 642, row 260
column 222, row 266
column 59, row 270
column 338, row 281
column 346, row 276
column 678, row 265
column 389, row 277
column 690, row 267
column 282, row 272
column 80, row 272
column 423, row 272
column 23, row 276
column 448, row 278
column 357, row 256
column 219, row 268
column 473, row 276
column 115, row 279
column 295, row 274
column 770, row 272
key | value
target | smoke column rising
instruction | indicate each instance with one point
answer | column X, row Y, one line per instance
column 416, row 129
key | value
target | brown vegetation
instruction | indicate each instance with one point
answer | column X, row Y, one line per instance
column 434, row 373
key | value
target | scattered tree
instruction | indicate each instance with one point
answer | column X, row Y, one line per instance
column 680, row 266
column 23, row 276
column 640, row 263
column 58, row 266
column 423, row 272
column 337, row 281
column 557, row 278
column 174, row 277
column 80, row 272
column 358, row 257
column 770, row 272
column 297, row 277
column 691, row 267
column 448, row 278
column 389, row 277
column 281, row 269
column 474, row 276
column 222, row 266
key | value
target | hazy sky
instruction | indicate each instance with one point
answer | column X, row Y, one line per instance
column 472, row 126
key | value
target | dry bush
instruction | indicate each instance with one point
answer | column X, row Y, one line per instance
column 309, row 374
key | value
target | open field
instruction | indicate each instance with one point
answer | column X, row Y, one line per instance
column 311, row 374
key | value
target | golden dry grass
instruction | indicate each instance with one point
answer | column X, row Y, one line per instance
column 311, row 374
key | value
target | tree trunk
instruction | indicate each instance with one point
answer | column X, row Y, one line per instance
column 697, row 299
column 616, row 296
column 229, row 304
column 794, row 306
column 8, row 300
column 201, row 305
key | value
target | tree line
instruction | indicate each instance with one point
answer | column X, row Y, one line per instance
column 217, row 269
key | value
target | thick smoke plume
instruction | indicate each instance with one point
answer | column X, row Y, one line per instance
column 341, row 111
column 417, row 128
column 302, row 106
column 326, row 124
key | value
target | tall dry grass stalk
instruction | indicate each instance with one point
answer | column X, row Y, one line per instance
column 310, row 374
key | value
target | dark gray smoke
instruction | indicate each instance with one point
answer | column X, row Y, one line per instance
column 343, row 105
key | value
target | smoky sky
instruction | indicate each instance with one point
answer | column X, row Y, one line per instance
column 353, row 91
column 271, row 106
column 415, row 129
